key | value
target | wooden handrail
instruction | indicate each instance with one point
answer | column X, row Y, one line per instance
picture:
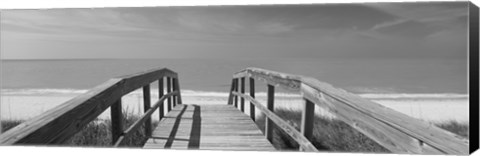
column 59, row 124
column 289, row 129
column 393, row 130
column 144, row 118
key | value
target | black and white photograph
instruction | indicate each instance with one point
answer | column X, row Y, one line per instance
column 361, row 77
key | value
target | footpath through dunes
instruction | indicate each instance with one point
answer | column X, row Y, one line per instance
column 214, row 127
column 227, row 127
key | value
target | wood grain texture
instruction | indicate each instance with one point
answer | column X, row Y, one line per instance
column 235, row 98
column 286, row 81
column 144, row 117
column 169, row 89
column 177, row 87
column 117, row 120
column 270, row 107
column 304, row 143
column 174, row 88
column 308, row 114
column 242, row 90
column 60, row 123
column 252, row 94
column 393, row 130
column 210, row 127
column 146, row 107
column 160, row 94
column 230, row 96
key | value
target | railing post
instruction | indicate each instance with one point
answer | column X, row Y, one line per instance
column 1, row 129
column 268, row 122
column 146, row 107
column 160, row 94
column 230, row 95
column 169, row 89
column 236, row 90
column 177, row 86
column 242, row 90
column 252, row 94
column 174, row 88
column 308, row 114
column 117, row 120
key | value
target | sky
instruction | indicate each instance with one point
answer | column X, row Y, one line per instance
column 362, row 30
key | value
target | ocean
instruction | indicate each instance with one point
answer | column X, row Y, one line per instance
column 428, row 89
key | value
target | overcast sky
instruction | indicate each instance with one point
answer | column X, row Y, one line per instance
column 371, row 30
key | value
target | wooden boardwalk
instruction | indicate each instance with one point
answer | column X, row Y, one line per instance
column 213, row 127
column 226, row 127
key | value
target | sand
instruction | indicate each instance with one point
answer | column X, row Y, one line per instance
column 22, row 107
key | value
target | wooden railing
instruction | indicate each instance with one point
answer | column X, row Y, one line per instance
column 395, row 131
column 61, row 123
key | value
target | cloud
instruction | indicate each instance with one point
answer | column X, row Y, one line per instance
column 337, row 30
column 388, row 24
column 421, row 19
column 424, row 12
column 69, row 21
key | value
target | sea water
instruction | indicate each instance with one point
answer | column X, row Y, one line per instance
column 427, row 89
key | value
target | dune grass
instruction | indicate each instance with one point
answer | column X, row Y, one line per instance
column 336, row 136
column 329, row 134
column 98, row 133
column 456, row 127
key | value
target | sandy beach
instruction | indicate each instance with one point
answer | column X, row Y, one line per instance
column 16, row 106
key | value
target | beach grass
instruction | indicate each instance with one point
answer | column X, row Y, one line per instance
column 98, row 133
column 336, row 136
column 456, row 127
column 329, row 134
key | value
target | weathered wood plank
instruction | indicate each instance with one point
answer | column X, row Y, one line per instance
column 141, row 79
column 270, row 107
column 286, row 81
column 160, row 94
column 146, row 107
column 442, row 141
column 144, row 117
column 284, row 126
column 308, row 115
column 236, row 90
column 174, row 88
column 379, row 122
column 242, row 90
column 230, row 96
column 169, row 89
column 117, row 118
column 177, row 86
column 58, row 124
column 252, row 94
column 208, row 127
column 369, row 127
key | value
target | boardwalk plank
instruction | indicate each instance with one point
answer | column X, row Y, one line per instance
column 214, row 127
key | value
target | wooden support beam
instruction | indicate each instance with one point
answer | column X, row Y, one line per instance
column 252, row 94
column 169, row 89
column 236, row 97
column 308, row 115
column 160, row 94
column 242, row 90
column 230, row 95
column 117, row 120
column 142, row 119
column 177, row 86
column 57, row 125
column 270, row 107
column 282, row 125
column 174, row 88
column 146, row 107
